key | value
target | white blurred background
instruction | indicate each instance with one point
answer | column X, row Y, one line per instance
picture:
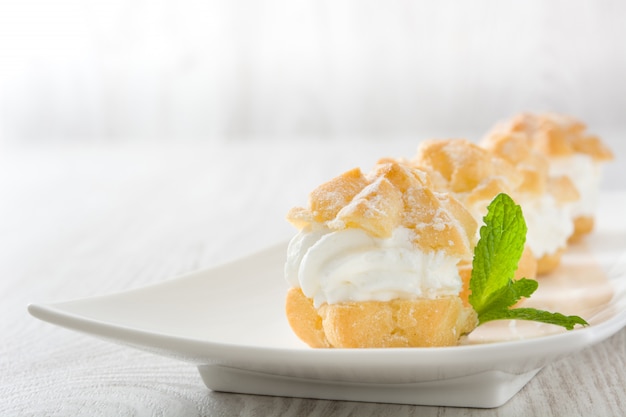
column 166, row 70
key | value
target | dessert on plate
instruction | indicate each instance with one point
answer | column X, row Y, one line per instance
column 474, row 176
column 375, row 262
column 546, row 200
column 571, row 152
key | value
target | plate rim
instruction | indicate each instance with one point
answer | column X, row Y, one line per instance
column 54, row 313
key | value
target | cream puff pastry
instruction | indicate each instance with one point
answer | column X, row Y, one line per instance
column 571, row 152
column 474, row 176
column 546, row 200
column 375, row 262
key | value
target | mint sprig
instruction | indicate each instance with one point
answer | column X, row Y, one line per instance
column 493, row 290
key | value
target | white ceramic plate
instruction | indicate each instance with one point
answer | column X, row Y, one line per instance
column 229, row 321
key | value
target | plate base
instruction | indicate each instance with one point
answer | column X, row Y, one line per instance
column 483, row 390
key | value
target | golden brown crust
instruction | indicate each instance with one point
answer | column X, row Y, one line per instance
column 557, row 135
column 372, row 324
column 592, row 146
column 461, row 166
column 465, row 271
column 300, row 217
column 583, row 225
column 401, row 174
column 327, row 199
column 437, row 225
column 304, row 320
column 562, row 189
column 377, row 209
column 517, row 150
column 472, row 174
column 393, row 194
column 534, row 166
column 549, row 262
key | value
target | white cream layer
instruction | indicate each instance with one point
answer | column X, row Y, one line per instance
column 350, row 265
column 549, row 224
column 586, row 174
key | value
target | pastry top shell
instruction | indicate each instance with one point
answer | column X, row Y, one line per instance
column 556, row 135
column 393, row 194
column 471, row 173
column 516, row 147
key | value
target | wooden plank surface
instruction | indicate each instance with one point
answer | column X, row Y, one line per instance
column 77, row 221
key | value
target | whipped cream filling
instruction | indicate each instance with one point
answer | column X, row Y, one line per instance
column 350, row 265
column 586, row 174
column 549, row 224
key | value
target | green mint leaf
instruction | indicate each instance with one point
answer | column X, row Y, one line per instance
column 498, row 251
column 511, row 293
column 533, row 314
column 496, row 256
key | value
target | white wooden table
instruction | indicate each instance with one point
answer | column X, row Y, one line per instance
column 77, row 221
